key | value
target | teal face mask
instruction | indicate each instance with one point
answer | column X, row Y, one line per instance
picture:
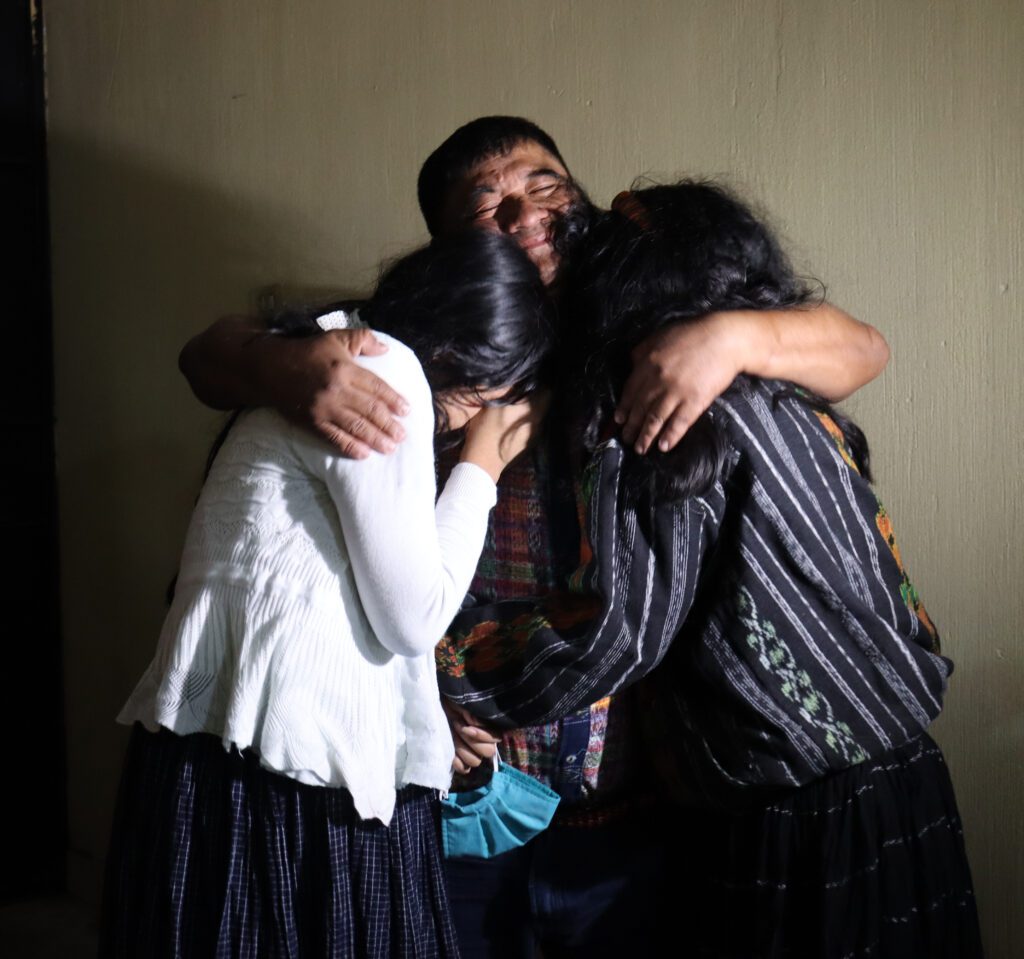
column 508, row 812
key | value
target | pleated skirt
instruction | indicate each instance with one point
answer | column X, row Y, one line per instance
column 214, row 856
column 869, row 862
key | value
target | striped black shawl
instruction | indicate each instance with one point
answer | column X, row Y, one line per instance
column 798, row 644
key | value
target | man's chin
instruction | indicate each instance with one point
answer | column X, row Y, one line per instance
column 546, row 260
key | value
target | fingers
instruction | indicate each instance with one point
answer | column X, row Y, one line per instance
column 643, row 417
column 471, row 756
column 496, row 435
column 371, row 399
column 468, row 725
column 663, row 423
column 676, row 426
column 650, row 426
column 354, row 436
column 628, row 400
column 362, row 342
column 473, row 742
column 642, row 408
column 358, row 415
column 390, row 402
column 366, row 413
column 677, row 373
column 346, row 444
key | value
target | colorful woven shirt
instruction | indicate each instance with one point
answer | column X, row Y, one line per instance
column 532, row 545
column 798, row 644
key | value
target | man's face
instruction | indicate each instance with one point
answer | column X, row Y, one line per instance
column 522, row 194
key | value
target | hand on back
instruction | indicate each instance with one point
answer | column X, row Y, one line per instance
column 678, row 372
column 681, row 369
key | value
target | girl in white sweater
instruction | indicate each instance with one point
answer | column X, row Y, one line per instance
column 279, row 795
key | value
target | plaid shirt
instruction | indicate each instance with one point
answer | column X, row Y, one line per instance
column 533, row 544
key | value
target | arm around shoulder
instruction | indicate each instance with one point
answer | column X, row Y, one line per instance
column 821, row 347
column 218, row 370
column 680, row 370
column 313, row 381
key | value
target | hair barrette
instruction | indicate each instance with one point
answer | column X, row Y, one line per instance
column 630, row 207
column 338, row 320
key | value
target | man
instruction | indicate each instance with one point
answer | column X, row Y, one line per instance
column 591, row 881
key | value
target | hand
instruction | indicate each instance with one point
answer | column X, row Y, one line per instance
column 316, row 382
column 474, row 742
column 677, row 374
column 498, row 434
column 680, row 370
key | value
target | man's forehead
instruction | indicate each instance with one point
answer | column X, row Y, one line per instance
column 514, row 169
column 525, row 160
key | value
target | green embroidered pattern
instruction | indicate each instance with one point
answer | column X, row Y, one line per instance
column 795, row 684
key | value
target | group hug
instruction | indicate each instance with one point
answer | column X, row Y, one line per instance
column 540, row 605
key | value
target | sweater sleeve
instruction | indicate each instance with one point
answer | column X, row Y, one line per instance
column 412, row 560
column 523, row 662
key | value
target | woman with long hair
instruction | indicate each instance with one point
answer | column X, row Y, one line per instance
column 754, row 566
column 279, row 794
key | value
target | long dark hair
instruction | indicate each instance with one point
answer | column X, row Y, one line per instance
column 669, row 254
column 472, row 307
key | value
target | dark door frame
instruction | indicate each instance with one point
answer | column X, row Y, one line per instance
column 33, row 850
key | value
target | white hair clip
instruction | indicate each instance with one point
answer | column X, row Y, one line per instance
column 339, row 320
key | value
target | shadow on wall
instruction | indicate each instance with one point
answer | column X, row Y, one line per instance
column 141, row 261
column 52, row 928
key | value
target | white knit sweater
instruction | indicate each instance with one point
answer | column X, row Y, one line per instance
column 311, row 592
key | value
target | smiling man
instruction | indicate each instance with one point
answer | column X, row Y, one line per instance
column 522, row 192
column 591, row 883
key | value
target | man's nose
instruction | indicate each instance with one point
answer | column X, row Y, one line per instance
column 518, row 213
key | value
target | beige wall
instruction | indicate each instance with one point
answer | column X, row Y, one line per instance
column 202, row 149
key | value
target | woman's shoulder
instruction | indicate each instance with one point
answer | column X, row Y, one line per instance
column 756, row 403
column 399, row 368
column 777, row 427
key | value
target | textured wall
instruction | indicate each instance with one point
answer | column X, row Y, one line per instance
column 202, row 149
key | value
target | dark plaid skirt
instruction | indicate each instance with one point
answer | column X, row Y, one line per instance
column 214, row 856
column 867, row 863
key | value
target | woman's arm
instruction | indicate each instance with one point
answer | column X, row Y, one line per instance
column 313, row 381
column 680, row 370
column 413, row 560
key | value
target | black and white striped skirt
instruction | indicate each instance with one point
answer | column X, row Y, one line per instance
column 869, row 862
column 214, row 856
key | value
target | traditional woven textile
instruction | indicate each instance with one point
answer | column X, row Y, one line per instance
column 799, row 645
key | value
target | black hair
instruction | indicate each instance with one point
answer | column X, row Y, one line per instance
column 471, row 306
column 682, row 252
column 477, row 140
